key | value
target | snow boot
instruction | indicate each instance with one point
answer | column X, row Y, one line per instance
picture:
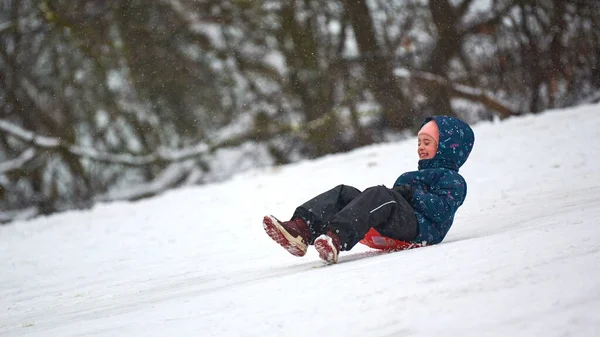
column 329, row 246
column 293, row 235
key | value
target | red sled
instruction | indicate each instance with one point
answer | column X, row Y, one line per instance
column 377, row 241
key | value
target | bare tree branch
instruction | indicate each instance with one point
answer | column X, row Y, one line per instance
column 4, row 26
column 169, row 178
column 51, row 143
column 163, row 155
column 458, row 90
column 18, row 162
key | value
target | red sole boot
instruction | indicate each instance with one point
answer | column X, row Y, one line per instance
column 289, row 239
column 328, row 248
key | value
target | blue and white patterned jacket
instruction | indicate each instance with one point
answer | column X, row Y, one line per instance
column 438, row 189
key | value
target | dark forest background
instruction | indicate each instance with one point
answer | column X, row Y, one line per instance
column 106, row 100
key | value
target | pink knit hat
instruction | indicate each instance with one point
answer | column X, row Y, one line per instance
column 431, row 129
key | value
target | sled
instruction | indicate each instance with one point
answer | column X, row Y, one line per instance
column 377, row 241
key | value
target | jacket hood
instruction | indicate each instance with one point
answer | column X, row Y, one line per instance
column 455, row 145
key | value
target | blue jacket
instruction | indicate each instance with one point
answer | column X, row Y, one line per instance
column 438, row 189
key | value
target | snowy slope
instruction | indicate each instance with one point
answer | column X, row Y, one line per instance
column 523, row 258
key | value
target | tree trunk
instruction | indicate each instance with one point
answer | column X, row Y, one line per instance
column 378, row 68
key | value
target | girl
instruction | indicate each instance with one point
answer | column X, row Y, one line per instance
column 418, row 210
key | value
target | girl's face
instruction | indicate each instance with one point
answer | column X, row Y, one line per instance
column 427, row 147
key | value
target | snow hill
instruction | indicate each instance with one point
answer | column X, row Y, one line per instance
column 522, row 259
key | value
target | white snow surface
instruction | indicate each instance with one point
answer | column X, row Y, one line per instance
column 522, row 259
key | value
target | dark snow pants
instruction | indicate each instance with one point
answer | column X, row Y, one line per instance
column 351, row 213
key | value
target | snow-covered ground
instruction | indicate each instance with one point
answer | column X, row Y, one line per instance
column 522, row 259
